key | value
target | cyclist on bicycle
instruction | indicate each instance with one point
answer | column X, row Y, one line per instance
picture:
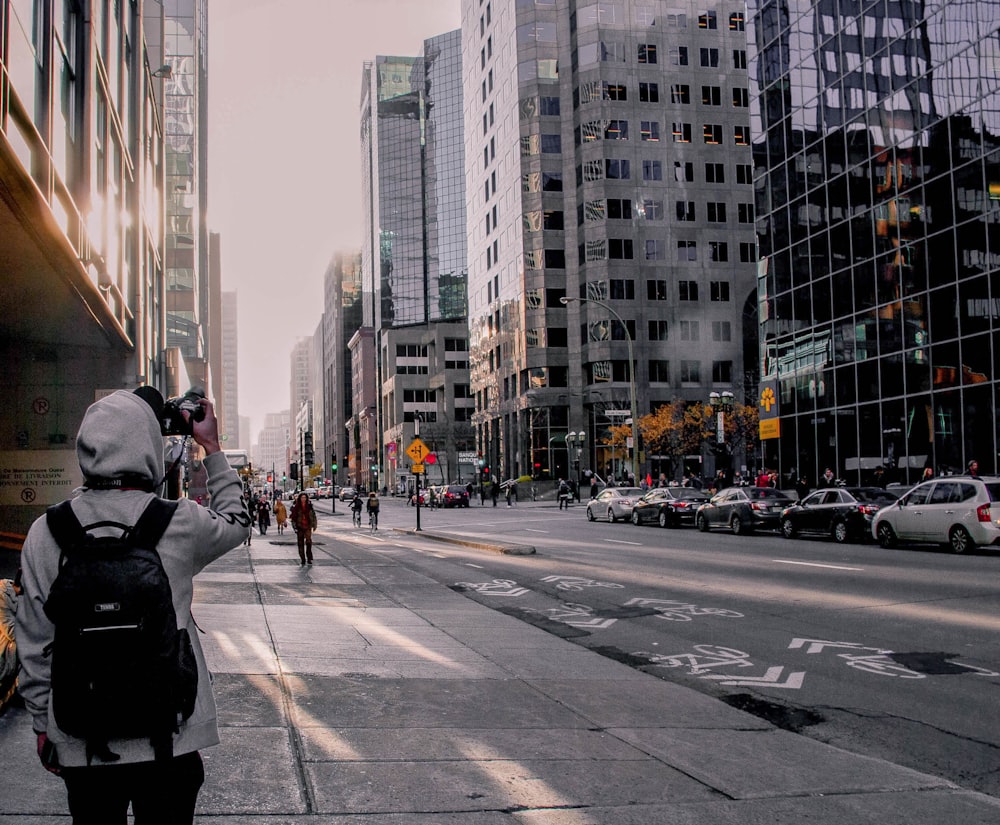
column 373, row 507
column 356, row 504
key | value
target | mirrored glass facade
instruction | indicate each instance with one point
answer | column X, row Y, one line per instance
column 876, row 146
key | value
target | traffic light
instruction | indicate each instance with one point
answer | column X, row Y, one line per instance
column 293, row 471
column 486, row 472
column 333, row 467
column 270, row 479
column 307, row 447
column 283, row 478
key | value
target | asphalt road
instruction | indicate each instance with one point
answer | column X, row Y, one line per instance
column 888, row 653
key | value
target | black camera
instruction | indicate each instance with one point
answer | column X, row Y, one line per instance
column 171, row 419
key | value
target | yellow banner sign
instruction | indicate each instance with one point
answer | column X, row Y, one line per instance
column 770, row 428
column 417, row 469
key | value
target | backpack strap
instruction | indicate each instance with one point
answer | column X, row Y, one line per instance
column 153, row 522
column 64, row 525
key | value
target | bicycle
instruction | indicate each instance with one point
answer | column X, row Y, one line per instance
column 356, row 517
column 373, row 521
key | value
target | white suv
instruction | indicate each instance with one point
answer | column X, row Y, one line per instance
column 958, row 511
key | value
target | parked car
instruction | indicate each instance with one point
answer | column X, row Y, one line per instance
column 347, row 493
column 956, row 511
column 843, row 513
column 454, row 495
column 743, row 509
column 669, row 506
column 613, row 503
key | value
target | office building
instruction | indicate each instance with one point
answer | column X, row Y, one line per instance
column 229, row 424
column 610, row 211
column 414, row 261
column 81, row 233
column 877, row 169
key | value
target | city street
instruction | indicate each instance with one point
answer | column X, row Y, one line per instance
column 886, row 653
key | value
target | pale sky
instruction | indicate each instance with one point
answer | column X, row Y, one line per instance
column 284, row 159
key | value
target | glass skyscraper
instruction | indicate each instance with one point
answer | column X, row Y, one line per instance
column 876, row 146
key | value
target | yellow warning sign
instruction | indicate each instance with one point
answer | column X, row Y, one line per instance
column 417, row 451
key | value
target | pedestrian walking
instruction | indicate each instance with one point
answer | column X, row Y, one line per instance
column 563, row 495
column 482, row 494
column 280, row 515
column 593, row 486
column 263, row 516
column 303, row 523
column 110, row 750
column 494, row 492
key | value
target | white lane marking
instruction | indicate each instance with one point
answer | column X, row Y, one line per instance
column 477, row 566
column 619, row 541
column 813, row 564
column 533, row 530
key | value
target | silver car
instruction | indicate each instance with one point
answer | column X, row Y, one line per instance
column 613, row 503
column 960, row 512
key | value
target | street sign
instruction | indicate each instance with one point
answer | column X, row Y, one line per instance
column 417, row 451
column 417, row 469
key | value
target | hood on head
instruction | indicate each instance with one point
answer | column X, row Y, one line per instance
column 119, row 437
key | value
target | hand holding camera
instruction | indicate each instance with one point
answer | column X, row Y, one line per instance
column 194, row 415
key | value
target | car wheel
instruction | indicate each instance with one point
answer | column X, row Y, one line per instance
column 886, row 536
column 788, row 528
column 590, row 514
column 635, row 518
column 739, row 527
column 611, row 516
column 701, row 523
column 959, row 540
column 662, row 520
column 839, row 531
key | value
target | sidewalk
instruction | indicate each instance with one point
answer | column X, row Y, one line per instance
column 357, row 691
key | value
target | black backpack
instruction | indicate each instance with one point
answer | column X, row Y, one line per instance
column 121, row 668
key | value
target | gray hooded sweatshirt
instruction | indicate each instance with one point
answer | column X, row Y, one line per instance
column 120, row 438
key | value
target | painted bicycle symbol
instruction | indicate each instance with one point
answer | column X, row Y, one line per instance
column 701, row 659
column 578, row 583
column 676, row 611
column 576, row 615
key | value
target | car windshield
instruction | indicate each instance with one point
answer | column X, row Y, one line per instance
column 993, row 488
column 628, row 491
column 687, row 492
column 874, row 496
column 765, row 492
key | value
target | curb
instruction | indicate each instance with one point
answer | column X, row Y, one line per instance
column 493, row 547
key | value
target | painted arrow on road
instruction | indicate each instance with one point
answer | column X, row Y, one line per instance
column 770, row 678
column 817, row 645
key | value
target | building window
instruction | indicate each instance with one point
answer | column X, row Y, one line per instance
column 652, row 210
column 690, row 331
column 687, row 251
column 620, row 289
column 549, row 106
column 744, row 173
column 739, row 59
column 715, row 173
column 736, row 22
column 682, row 132
column 649, row 130
column 555, row 259
column 718, row 251
column 615, row 91
column 748, row 252
column 649, row 93
column 619, row 209
column 713, row 133
column 656, row 290
column 711, row 95
column 685, row 211
column 620, row 249
column 741, row 135
column 710, row 58
column 716, row 212
column 659, row 372
column 684, row 171
column 690, row 372
column 655, row 249
column 680, row 93
column 657, row 330
column 741, row 97
column 647, row 53
column 679, row 56
column 551, row 144
column 652, row 170
column 617, row 169
column 722, row 331
column 719, row 291
column 552, row 219
column 722, row 372
column 687, row 290
column 707, row 20
column 616, row 130
column 744, row 212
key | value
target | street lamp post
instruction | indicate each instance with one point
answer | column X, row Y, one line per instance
column 577, row 440
column 631, row 373
column 722, row 403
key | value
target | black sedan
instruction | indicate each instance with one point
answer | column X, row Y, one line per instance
column 843, row 513
column 668, row 506
column 743, row 509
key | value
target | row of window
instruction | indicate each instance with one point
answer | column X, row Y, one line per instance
column 606, row 51
column 652, row 170
column 654, row 249
column 648, row 209
column 614, row 129
column 659, row 372
column 607, row 13
column 648, row 93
